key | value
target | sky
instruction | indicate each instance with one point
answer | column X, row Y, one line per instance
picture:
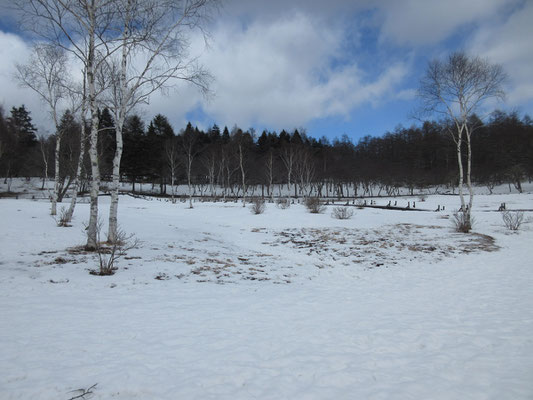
column 331, row 68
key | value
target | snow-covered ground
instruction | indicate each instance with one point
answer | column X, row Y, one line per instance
column 218, row 303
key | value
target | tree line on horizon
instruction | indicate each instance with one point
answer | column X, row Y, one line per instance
column 241, row 162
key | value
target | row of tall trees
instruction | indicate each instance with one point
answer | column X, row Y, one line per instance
column 414, row 157
column 230, row 160
column 224, row 162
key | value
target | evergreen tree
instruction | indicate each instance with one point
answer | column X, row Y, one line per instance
column 21, row 132
column 225, row 135
column 159, row 131
column 21, row 126
column 160, row 126
column 214, row 134
column 134, row 161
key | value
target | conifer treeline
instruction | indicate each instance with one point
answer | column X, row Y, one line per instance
column 236, row 160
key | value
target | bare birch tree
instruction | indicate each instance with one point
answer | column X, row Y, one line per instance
column 241, row 151
column 172, row 156
column 209, row 161
column 226, row 169
column 189, row 147
column 46, row 74
column 269, row 172
column 288, row 157
column 304, row 170
column 456, row 89
column 43, row 147
column 242, row 142
column 153, row 55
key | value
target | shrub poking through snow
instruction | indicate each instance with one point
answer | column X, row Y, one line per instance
column 283, row 203
column 314, row 205
column 258, row 206
column 513, row 219
column 64, row 218
column 462, row 221
column 110, row 253
column 342, row 213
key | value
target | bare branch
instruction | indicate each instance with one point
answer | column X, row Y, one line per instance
column 84, row 392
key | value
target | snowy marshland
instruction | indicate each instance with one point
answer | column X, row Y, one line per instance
column 218, row 303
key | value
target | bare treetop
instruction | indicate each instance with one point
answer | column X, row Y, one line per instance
column 458, row 86
column 70, row 23
column 46, row 74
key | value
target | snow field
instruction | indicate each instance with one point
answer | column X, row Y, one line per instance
column 319, row 320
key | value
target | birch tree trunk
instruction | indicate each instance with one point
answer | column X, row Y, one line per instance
column 120, row 116
column 44, row 154
column 92, row 228
column 172, row 165
column 469, row 169
column 243, row 175
column 288, row 159
column 189, row 167
column 459, row 143
column 115, row 183
column 53, row 210
column 270, row 168
column 76, row 186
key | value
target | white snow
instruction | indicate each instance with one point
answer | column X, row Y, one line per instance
column 283, row 305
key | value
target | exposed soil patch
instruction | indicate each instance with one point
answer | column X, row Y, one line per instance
column 382, row 247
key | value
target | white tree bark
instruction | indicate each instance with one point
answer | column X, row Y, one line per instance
column 459, row 144
column 469, row 168
column 287, row 156
column 92, row 228
column 44, row 154
column 57, row 152
column 189, row 171
column 115, row 183
column 76, row 185
column 172, row 160
column 81, row 157
column 243, row 173
column 209, row 162
column 120, row 116
column 270, row 174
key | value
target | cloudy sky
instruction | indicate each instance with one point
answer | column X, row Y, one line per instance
column 331, row 67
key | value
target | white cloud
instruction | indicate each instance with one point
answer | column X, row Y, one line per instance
column 406, row 94
column 281, row 74
column 14, row 50
column 332, row 10
column 509, row 43
column 427, row 22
